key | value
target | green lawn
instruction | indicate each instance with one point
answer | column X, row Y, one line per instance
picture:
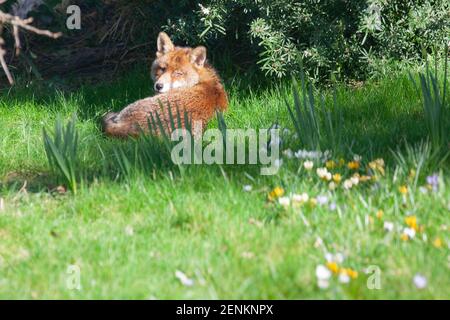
column 130, row 236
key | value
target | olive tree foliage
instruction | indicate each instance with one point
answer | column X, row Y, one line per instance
column 329, row 36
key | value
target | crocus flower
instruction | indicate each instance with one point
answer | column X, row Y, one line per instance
column 403, row 189
column 337, row 177
column 276, row 193
column 348, row 184
column 321, row 200
column 300, row 198
column 323, row 174
column 308, row 165
column 420, row 281
column 433, row 181
column 284, row 201
column 388, row 226
column 353, row 165
column 411, row 222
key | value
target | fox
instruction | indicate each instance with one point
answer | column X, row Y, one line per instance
column 185, row 84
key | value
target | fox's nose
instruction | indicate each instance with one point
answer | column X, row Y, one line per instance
column 158, row 86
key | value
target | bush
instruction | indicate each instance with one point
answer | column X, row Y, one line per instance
column 331, row 36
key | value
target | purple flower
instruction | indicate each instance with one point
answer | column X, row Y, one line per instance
column 333, row 206
column 433, row 181
column 321, row 200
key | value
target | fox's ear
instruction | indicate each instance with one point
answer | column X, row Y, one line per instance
column 198, row 56
column 164, row 44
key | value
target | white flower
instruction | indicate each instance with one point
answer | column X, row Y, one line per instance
column 2, row 204
column 247, row 188
column 323, row 173
column 420, row 281
column 308, row 165
column 300, row 198
column 284, row 201
column 322, row 272
column 129, row 231
column 357, row 158
column 332, row 186
column 344, row 278
column 323, row 284
column 288, row 153
column 348, row 184
column 410, row 232
column 354, row 180
column 184, row 279
column 388, row 226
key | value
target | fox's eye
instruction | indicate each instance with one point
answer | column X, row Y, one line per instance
column 178, row 73
column 162, row 69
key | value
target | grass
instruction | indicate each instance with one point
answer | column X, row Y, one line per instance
column 130, row 236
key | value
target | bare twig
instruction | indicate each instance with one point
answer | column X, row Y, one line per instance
column 17, row 23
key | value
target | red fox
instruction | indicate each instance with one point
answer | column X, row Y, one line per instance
column 184, row 80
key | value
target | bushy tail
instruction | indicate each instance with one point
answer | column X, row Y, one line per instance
column 113, row 127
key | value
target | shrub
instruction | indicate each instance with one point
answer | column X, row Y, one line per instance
column 330, row 36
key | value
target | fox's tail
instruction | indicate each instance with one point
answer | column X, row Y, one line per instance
column 113, row 127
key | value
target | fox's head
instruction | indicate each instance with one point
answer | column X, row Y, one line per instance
column 176, row 67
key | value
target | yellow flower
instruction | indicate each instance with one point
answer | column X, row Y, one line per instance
column 349, row 272
column 404, row 237
column 412, row 173
column 313, row 202
column 403, row 189
column 353, row 165
column 333, row 267
column 365, row 178
column 352, row 273
column 276, row 193
column 341, row 162
column 380, row 214
column 377, row 165
column 330, row 164
column 337, row 177
column 411, row 222
column 437, row 242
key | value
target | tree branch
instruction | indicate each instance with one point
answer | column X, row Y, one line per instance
column 17, row 24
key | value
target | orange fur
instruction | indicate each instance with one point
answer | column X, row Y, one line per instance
column 194, row 85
